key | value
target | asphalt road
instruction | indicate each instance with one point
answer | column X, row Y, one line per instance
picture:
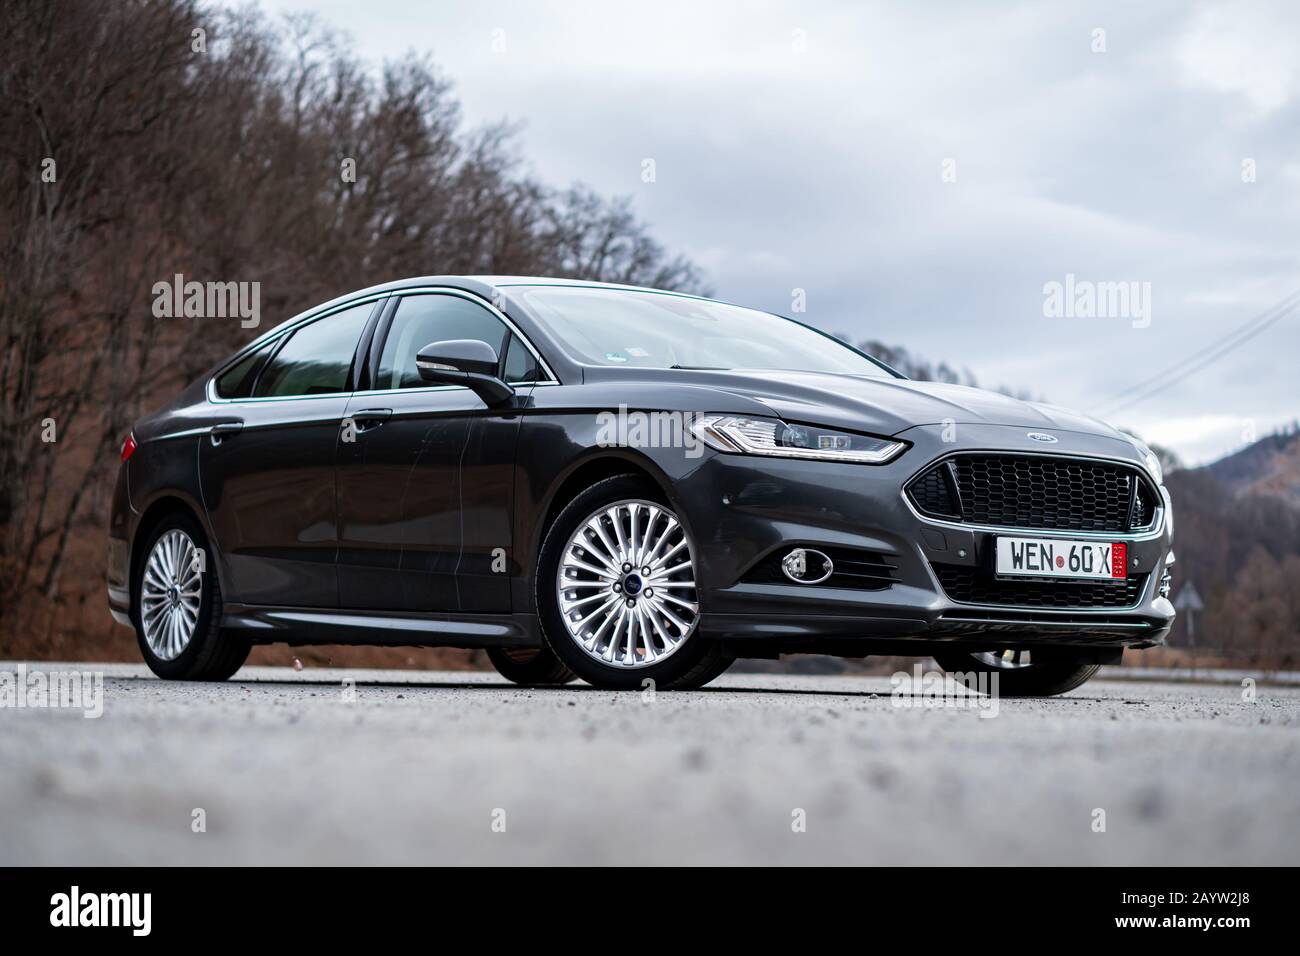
column 464, row 768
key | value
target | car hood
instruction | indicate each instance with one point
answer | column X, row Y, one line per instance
column 887, row 406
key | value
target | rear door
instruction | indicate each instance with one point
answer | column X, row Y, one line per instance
column 268, row 470
column 404, row 507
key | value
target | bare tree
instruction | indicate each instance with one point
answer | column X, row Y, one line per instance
column 148, row 138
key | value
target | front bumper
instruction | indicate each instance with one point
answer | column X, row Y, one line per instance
column 743, row 510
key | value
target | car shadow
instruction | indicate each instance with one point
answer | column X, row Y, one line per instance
column 588, row 689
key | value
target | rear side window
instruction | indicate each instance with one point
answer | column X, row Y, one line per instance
column 318, row 356
column 237, row 381
column 424, row 319
column 520, row 364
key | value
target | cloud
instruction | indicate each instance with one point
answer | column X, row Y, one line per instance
column 817, row 165
column 1243, row 48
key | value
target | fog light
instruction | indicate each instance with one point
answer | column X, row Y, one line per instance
column 807, row 566
column 1166, row 585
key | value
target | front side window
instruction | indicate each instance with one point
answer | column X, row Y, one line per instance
column 424, row 319
column 318, row 356
column 662, row 330
column 520, row 366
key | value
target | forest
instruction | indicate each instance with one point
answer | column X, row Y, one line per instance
column 150, row 144
column 144, row 141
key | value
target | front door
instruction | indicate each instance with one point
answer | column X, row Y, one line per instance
column 400, row 492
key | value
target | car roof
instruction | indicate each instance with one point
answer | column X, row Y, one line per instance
column 556, row 356
column 504, row 281
column 480, row 285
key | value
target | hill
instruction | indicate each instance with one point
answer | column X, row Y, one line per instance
column 1237, row 536
column 1270, row 466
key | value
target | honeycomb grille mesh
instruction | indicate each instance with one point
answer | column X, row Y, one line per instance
column 1023, row 491
column 1144, row 506
column 930, row 493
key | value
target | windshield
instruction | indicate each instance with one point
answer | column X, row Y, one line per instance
column 661, row 330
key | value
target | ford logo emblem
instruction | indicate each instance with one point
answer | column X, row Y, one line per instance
column 1043, row 437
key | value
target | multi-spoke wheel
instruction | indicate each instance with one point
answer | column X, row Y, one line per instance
column 177, row 606
column 170, row 593
column 1006, row 658
column 626, row 584
column 617, row 590
column 1018, row 674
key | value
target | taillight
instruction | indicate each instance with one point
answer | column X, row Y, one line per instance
column 128, row 447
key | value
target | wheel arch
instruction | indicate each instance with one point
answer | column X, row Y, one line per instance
column 163, row 505
column 583, row 473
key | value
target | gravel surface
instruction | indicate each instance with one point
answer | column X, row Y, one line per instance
column 428, row 768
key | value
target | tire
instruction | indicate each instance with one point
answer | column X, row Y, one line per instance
column 207, row 653
column 1035, row 679
column 530, row 666
column 703, row 673
column 670, row 656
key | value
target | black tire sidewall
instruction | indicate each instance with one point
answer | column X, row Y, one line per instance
column 707, row 670
column 1046, row 679
column 545, row 668
column 683, row 660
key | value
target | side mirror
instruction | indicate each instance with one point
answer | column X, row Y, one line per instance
column 468, row 362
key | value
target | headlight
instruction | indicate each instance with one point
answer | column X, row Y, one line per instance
column 1153, row 466
column 1149, row 459
column 758, row 436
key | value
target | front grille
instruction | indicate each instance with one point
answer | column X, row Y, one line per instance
column 1144, row 506
column 932, row 493
column 968, row 585
column 854, row 568
column 1026, row 491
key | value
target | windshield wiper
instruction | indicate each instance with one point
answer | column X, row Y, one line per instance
column 701, row 368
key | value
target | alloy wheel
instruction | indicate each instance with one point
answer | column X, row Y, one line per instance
column 1005, row 659
column 626, row 584
column 171, row 594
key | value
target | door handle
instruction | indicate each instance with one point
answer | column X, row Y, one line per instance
column 223, row 430
column 366, row 419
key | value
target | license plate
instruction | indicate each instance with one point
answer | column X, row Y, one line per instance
column 1056, row 558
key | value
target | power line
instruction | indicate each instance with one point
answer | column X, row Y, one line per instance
column 1205, row 356
column 1208, row 360
column 1186, row 360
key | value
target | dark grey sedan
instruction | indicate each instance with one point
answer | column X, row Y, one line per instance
column 626, row 486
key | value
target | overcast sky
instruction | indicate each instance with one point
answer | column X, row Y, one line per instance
column 806, row 146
